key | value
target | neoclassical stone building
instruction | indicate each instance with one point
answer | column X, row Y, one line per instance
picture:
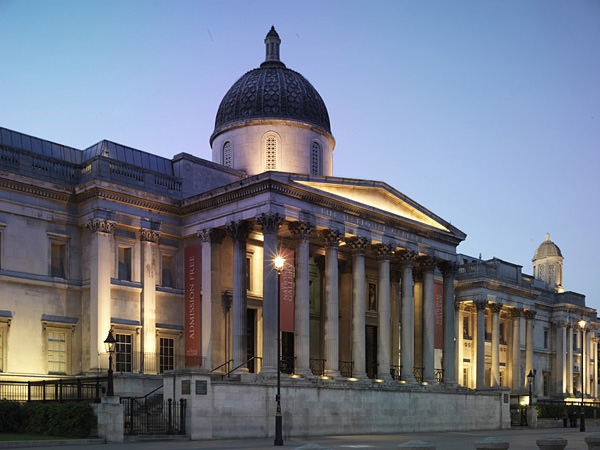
column 175, row 256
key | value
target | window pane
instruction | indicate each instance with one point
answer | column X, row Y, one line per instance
column 125, row 263
column 57, row 265
column 57, row 352
column 167, row 271
column 124, row 352
column 167, row 346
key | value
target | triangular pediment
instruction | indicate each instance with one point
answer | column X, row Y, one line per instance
column 380, row 198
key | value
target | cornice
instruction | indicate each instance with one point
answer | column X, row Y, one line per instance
column 486, row 283
column 35, row 189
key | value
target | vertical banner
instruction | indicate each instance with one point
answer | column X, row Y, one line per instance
column 193, row 313
column 287, row 291
column 438, row 298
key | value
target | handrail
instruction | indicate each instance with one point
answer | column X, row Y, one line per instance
column 224, row 364
column 242, row 364
column 152, row 391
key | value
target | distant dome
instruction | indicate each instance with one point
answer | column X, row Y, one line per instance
column 546, row 249
column 272, row 92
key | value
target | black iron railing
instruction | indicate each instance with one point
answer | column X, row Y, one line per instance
column 346, row 368
column 395, row 372
column 371, row 370
column 62, row 390
column 418, row 373
column 317, row 367
column 439, row 375
column 287, row 364
column 152, row 415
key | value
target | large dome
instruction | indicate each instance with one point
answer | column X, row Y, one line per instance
column 546, row 249
column 272, row 92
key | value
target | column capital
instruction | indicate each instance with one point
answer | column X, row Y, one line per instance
column 301, row 230
column 529, row 314
column 100, row 225
column 448, row 268
column 458, row 305
column 331, row 237
column 559, row 323
column 515, row 313
column 406, row 258
column 480, row 304
column 212, row 235
column 270, row 222
column 358, row 245
column 148, row 235
column 427, row 263
column 495, row 307
column 239, row 230
column 569, row 325
column 383, row 251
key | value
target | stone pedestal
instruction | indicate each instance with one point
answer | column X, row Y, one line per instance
column 593, row 441
column 551, row 443
column 492, row 443
column 416, row 445
column 110, row 419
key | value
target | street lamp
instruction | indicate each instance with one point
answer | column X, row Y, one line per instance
column 531, row 379
column 109, row 345
column 278, row 262
column 582, row 324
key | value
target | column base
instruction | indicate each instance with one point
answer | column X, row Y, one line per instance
column 332, row 373
column 304, row 373
column 268, row 370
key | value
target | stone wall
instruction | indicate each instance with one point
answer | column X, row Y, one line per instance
column 246, row 407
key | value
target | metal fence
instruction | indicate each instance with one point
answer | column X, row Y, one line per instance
column 152, row 415
column 62, row 390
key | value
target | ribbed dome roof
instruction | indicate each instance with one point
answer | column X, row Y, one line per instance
column 547, row 248
column 272, row 92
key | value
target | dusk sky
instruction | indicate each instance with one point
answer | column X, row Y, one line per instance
column 485, row 112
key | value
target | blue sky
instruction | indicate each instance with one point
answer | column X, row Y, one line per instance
column 485, row 112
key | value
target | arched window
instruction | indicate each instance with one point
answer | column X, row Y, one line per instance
column 315, row 159
column 227, row 154
column 271, row 153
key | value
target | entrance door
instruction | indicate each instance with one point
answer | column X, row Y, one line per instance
column 371, row 351
column 250, row 340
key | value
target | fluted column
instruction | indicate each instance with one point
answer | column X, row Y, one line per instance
column 331, row 335
column 384, row 253
column 427, row 265
column 358, row 246
column 560, row 375
column 517, row 378
column 595, row 371
column 480, row 344
column 406, row 260
column 588, row 367
column 149, row 240
column 495, row 309
column 213, row 338
column 448, row 270
column 570, row 357
column 459, row 343
column 529, row 316
column 239, row 231
column 302, row 232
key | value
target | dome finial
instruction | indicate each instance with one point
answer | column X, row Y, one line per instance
column 547, row 236
column 272, row 43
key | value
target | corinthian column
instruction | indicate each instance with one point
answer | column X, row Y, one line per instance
column 517, row 378
column 529, row 316
column 302, row 232
column 428, row 266
column 570, row 357
column 358, row 246
column 332, row 240
column 384, row 253
column 448, row 270
column 406, row 260
column 149, row 240
column 239, row 231
column 480, row 344
column 495, row 308
column 269, row 223
column 561, row 360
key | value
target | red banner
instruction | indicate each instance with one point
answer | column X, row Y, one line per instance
column 287, row 292
column 193, row 313
column 438, row 295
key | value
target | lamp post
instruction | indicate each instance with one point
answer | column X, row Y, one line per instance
column 531, row 379
column 582, row 324
column 109, row 345
column 278, row 262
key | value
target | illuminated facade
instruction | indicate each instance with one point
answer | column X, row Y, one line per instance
column 176, row 257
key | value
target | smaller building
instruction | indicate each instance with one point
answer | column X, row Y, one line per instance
column 510, row 324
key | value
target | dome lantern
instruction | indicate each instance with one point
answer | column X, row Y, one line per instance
column 548, row 264
column 272, row 43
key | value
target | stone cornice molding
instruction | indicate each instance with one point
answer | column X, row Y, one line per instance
column 358, row 245
column 269, row 222
column 331, row 238
column 529, row 314
column 211, row 235
column 301, row 230
column 406, row 258
column 239, row 230
column 496, row 307
column 499, row 286
column 383, row 252
column 480, row 305
column 147, row 235
column 100, row 226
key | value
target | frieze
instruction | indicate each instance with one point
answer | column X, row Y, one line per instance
column 147, row 235
column 100, row 225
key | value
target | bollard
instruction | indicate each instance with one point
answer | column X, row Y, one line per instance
column 593, row 441
column 492, row 443
column 551, row 443
column 416, row 445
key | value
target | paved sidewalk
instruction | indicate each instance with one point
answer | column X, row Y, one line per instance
column 519, row 439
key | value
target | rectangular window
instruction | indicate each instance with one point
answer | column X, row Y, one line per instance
column 466, row 328
column 57, row 352
column 125, row 263
column 502, row 378
column 167, row 271
column 465, row 377
column 58, row 259
column 1, row 349
column 124, row 353
column 546, row 384
column 248, row 273
column 167, row 354
column 546, row 337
